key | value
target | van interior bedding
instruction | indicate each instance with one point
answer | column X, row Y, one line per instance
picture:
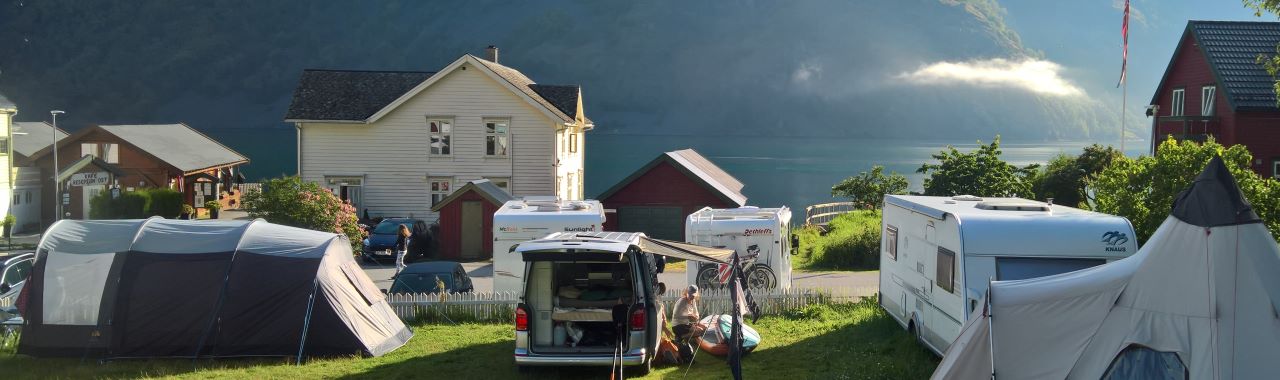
column 584, row 295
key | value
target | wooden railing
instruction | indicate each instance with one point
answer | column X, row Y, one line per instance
column 821, row 214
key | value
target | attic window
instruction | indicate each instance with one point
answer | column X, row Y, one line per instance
column 1014, row 206
column 1179, row 95
column 1206, row 100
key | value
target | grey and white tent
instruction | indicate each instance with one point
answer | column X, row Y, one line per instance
column 178, row 288
column 1200, row 300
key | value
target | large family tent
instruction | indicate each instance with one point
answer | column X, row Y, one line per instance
column 177, row 288
column 1200, row 300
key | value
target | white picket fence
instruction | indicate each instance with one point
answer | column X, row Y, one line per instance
column 500, row 306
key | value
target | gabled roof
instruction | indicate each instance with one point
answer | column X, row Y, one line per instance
column 365, row 96
column 484, row 187
column 1232, row 49
column 697, row 167
column 337, row 95
column 6, row 104
column 178, row 145
column 31, row 137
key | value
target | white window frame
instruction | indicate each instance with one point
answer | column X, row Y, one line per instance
column 497, row 180
column 501, row 132
column 1207, row 94
column 1179, row 99
column 1275, row 168
column 89, row 149
column 107, row 152
column 573, row 142
column 439, row 187
column 444, row 135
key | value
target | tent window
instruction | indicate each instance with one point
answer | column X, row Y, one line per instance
column 370, row 293
column 946, row 269
column 1141, row 362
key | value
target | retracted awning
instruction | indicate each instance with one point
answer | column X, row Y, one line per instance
column 685, row 251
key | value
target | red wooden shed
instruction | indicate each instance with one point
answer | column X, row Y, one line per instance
column 466, row 220
column 657, row 198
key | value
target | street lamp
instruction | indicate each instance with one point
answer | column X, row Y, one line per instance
column 57, row 187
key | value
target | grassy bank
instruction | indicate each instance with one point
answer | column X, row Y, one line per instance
column 841, row 341
column 850, row 242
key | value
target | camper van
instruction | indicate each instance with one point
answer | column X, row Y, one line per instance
column 938, row 254
column 760, row 234
column 532, row 218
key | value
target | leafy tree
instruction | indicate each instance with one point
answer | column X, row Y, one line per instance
column 1272, row 62
column 1065, row 177
column 980, row 172
column 1143, row 189
column 870, row 188
column 293, row 202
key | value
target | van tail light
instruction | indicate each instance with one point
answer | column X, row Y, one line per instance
column 522, row 319
column 638, row 318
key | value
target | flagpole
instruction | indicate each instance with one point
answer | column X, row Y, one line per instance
column 1124, row 109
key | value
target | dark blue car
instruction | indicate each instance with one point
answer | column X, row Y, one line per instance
column 381, row 243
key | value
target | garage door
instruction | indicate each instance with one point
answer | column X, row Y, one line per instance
column 657, row 222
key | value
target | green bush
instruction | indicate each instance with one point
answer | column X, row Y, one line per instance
column 851, row 241
column 137, row 204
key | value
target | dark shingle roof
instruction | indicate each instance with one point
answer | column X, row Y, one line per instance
column 484, row 187
column 563, row 97
column 556, row 100
column 695, row 166
column 349, row 95
column 1232, row 49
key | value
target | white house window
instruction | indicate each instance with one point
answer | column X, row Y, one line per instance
column 1275, row 168
column 501, row 182
column 107, row 152
column 441, row 187
column 1206, row 100
column 496, row 140
column 1178, row 96
column 4, row 145
column 28, row 196
column 560, row 136
column 441, row 132
column 573, row 142
column 89, row 149
column 348, row 188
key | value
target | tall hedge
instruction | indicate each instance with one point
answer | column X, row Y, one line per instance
column 137, row 204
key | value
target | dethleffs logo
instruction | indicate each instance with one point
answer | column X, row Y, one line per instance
column 591, row 228
column 758, row 231
column 1115, row 241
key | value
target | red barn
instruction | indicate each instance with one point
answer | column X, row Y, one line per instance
column 657, row 198
column 1215, row 87
column 466, row 220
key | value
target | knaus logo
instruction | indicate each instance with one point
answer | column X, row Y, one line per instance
column 1115, row 241
column 591, row 228
column 758, row 231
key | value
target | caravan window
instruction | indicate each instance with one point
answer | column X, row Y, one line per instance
column 946, row 270
column 1141, row 362
column 1021, row 268
column 891, row 241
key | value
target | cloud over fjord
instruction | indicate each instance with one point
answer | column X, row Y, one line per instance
column 1034, row 75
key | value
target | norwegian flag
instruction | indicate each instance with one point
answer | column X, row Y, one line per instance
column 1124, row 32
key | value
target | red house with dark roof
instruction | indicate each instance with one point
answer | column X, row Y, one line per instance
column 1214, row 86
column 658, row 197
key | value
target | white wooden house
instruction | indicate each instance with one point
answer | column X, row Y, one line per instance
column 395, row 142
column 7, row 110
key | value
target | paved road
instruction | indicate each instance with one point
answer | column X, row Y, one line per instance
column 848, row 283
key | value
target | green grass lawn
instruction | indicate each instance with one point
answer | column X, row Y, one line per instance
column 841, row 341
column 851, row 241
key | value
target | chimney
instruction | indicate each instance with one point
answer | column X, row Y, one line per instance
column 491, row 53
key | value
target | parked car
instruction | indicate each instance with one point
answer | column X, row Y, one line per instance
column 14, row 271
column 381, row 243
column 422, row 278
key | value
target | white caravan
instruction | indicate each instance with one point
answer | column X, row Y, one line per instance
column 765, row 232
column 938, row 254
column 532, row 218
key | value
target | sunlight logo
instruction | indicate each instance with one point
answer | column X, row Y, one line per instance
column 758, row 231
column 591, row 228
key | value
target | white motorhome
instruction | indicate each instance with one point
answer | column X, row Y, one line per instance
column 938, row 254
column 764, row 232
column 532, row 218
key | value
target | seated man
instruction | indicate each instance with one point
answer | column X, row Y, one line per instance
column 685, row 317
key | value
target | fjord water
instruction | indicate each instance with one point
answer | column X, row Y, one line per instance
column 799, row 171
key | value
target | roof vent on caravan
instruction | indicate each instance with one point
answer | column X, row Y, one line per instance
column 1014, row 206
column 967, row 197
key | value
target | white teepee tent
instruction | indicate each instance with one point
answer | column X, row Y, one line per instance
column 1198, row 301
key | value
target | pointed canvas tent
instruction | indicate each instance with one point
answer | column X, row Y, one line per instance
column 1198, row 301
column 176, row 288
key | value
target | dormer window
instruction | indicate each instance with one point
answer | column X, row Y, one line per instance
column 1179, row 95
column 1206, row 100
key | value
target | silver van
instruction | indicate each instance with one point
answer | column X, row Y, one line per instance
column 589, row 299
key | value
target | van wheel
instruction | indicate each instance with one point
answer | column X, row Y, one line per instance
column 524, row 369
column 644, row 368
column 911, row 329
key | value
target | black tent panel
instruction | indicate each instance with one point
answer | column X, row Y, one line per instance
column 328, row 335
column 265, row 306
column 165, row 302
